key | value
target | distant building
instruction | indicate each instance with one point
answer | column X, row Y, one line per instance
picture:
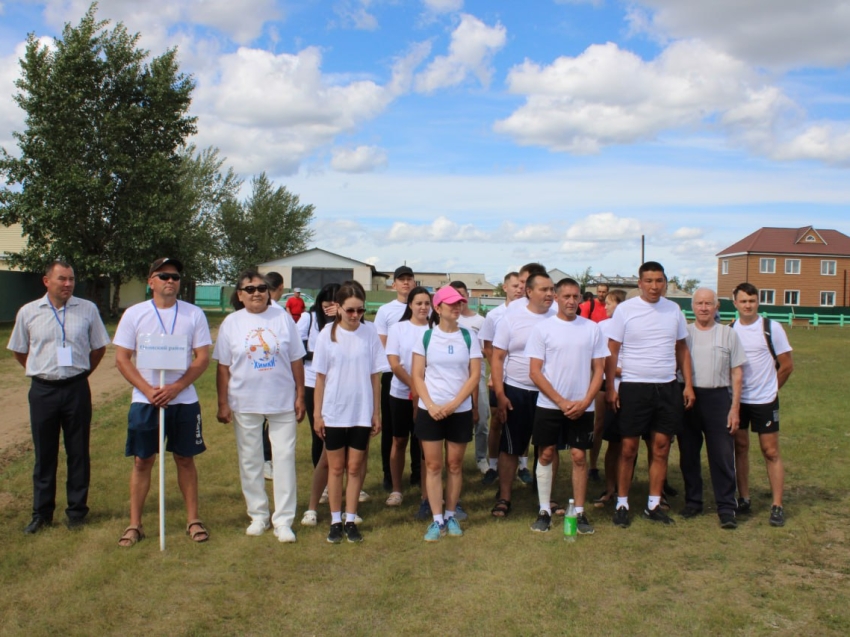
column 789, row 266
column 314, row 268
column 475, row 282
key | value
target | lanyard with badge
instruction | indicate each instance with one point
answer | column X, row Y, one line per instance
column 64, row 357
column 159, row 318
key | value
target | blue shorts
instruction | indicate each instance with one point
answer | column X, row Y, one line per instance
column 183, row 431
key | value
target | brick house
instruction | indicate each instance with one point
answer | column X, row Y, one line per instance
column 790, row 267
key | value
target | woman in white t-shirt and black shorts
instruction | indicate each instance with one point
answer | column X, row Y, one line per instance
column 348, row 361
column 446, row 368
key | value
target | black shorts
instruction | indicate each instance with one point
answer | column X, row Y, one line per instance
column 764, row 418
column 650, row 407
column 347, row 438
column 401, row 414
column 611, row 426
column 493, row 402
column 552, row 428
column 455, row 428
column 184, row 433
column 516, row 434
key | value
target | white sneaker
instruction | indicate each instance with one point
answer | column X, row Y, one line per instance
column 364, row 497
column 483, row 465
column 324, row 498
column 284, row 534
column 310, row 518
column 357, row 518
column 268, row 470
column 257, row 527
column 395, row 499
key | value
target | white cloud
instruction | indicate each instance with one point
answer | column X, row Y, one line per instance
column 443, row 6
column 473, row 45
column 12, row 118
column 782, row 33
column 688, row 233
column 605, row 226
column 608, row 96
column 354, row 14
column 441, row 229
column 361, row 159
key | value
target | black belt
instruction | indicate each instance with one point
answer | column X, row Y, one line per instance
column 61, row 382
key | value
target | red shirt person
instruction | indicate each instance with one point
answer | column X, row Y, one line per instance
column 295, row 305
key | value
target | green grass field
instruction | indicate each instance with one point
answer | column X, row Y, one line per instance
column 499, row 579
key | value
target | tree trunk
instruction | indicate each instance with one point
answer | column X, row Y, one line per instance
column 116, row 296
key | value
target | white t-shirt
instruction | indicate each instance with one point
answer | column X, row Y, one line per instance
column 760, row 381
column 186, row 319
column 648, row 333
column 400, row 342
column 473, row 324
column 447, row 365
column 348, row 365
column 388, row 315
column 491, row 321
column 522, row 303
column 259, row 349
column 567, row 349
column 308, row 330
column 512, row 335
column 605, row 328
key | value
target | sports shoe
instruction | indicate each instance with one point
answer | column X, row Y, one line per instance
column 489, row 477
column 777, row 516
column 257, row 527
column 621, row 518
column 310, row 518
column 351, row 533
column 453, row 527
column 657, row 515
column 424, row 512
column 335, row 536
column 669, row 491
column 483, row 465
column 593, row 476
column 543, row 523
column 728, row 521
column 284, row 534
column 268, row 470
column 460, row 514
column 583, row 527
column 324, row 498
column 690, row 512
column 357, row 519
column 525, row 476
column 435, row 532
column 744, row 506
column 365, row 497
column 395, row 499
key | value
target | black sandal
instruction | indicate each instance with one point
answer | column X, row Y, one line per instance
column 501, row 509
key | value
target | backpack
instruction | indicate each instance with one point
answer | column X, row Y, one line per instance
column 426, row 338
column 767, row 337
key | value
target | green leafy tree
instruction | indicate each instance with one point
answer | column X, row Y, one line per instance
column 270, row 224
column 499, row 290
column 584, row 278
column 97, row 178
column 688, row 285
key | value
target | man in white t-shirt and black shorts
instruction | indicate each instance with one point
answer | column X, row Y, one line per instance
column 389, row 314
column 768, row 366
column 648, row 334
column 516, row 394
column 566, row 356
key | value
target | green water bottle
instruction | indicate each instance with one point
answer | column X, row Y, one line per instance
column 570, row 522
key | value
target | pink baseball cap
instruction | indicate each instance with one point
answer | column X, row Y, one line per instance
column 447, row 294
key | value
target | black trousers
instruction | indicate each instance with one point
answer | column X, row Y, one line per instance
column 317, row 443
column 386, row 424
column 65, row 408
column 707, row 419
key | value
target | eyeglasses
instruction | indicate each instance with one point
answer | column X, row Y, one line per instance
column 351, row 311
column 167, row 276
column 250, row 289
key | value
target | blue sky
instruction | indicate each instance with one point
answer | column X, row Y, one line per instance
column 478, row 135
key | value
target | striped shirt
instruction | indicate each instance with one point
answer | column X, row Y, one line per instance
column 38, row 333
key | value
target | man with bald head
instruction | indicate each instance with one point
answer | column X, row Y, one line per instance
column 717, row 358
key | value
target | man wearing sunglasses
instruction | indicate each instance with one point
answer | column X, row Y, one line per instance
column 163, row 314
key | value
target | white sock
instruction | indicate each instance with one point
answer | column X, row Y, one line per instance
column 449, row 514
column 350, row 517
column 494, row 463
column 544, row 486
column 439, row 519
column 653, row 501
column 523, row 462
column 579, row 510
column 623, row 502
column 336, row 517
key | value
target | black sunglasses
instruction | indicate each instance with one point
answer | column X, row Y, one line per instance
column 167, row 276
column 351, row 311
column 250, row 289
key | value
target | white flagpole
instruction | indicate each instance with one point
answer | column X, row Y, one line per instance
column 161, row 468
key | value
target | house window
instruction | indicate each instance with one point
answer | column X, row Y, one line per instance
column 827, row 268
column 792, row 297
column 767, row 266
column 724, row 266
column 767, row 297
column 827, row 299
column 810, row 238
column 792, row 266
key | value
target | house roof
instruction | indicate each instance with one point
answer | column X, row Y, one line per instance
column 318, row 255
column 792, row 241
